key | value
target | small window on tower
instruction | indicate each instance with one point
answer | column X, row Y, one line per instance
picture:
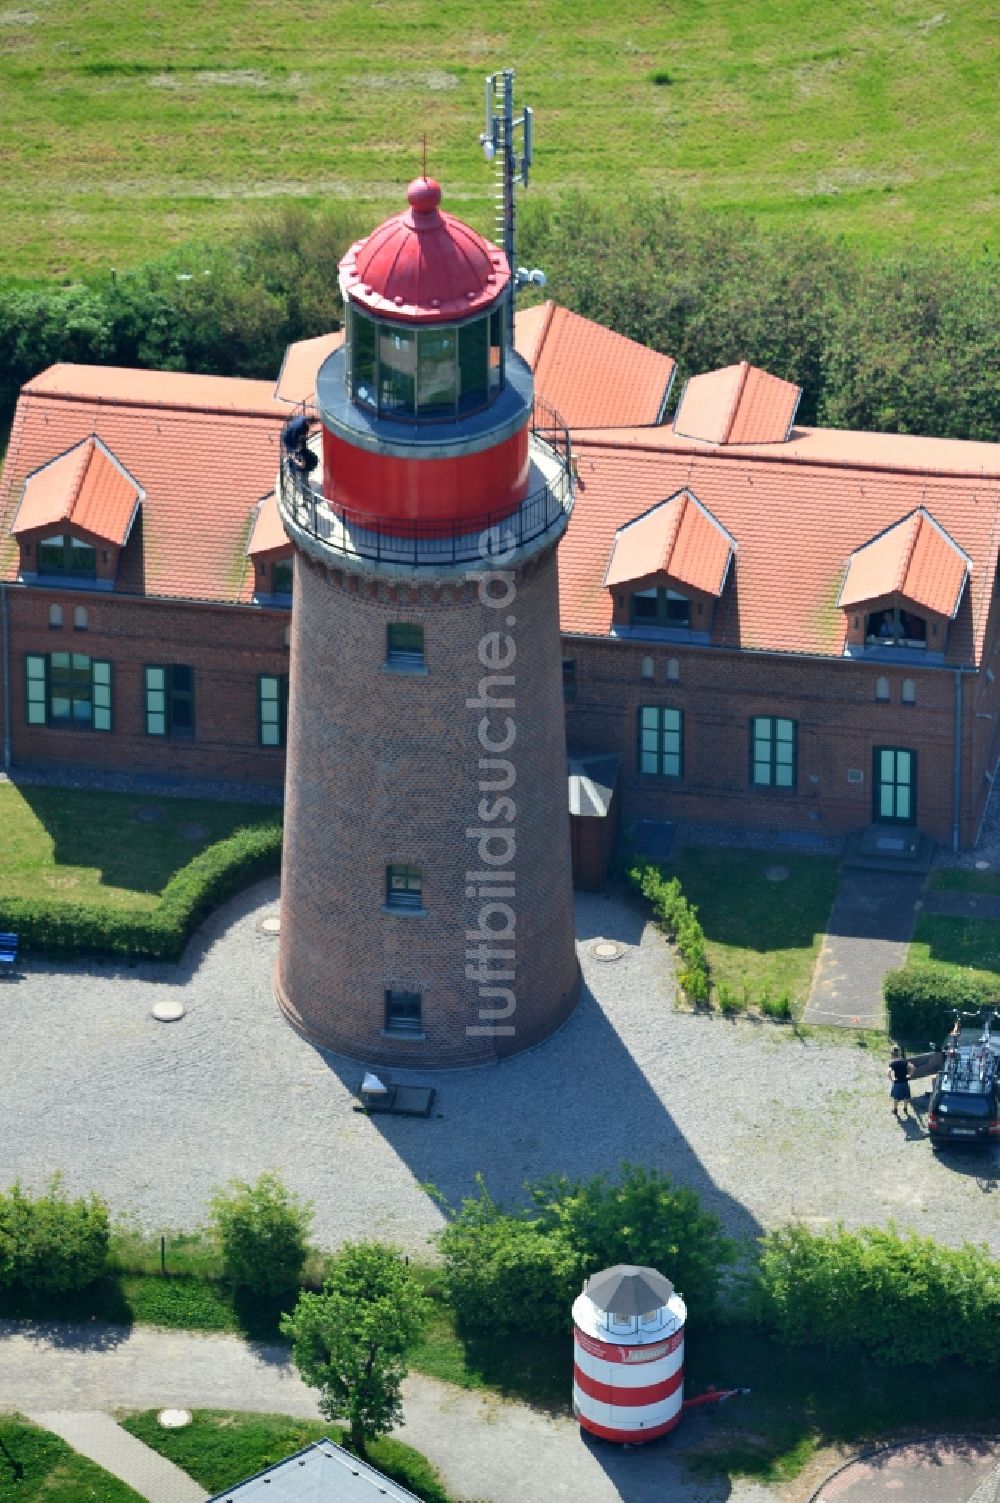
column 404, row 887
column 403, row 1014
column 404, row 645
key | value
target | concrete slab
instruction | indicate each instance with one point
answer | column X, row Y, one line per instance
column 950, row 1470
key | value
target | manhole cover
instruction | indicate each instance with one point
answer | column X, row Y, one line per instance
column 168, row 1012
column 982, row 866
column 194, row 832
column 606, row 949
column 270, row 925
column 174, row 1419
column 776, row 873
column 148, row 814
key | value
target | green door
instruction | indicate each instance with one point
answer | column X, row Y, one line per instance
column 894, row 786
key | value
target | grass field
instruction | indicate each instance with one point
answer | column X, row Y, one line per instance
column 78, row 846
column 126, row 129
column 759, row 934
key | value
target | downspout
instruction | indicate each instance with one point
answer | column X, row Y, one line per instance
column 956, row 782
column 6, row 677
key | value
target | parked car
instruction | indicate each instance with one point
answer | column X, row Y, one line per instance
column 965, row 1098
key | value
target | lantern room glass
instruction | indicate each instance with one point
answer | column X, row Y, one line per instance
column 439, row 373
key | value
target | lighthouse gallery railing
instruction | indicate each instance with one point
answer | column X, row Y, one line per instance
column 366, row 535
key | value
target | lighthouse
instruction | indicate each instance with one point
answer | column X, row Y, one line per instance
column 426, row 907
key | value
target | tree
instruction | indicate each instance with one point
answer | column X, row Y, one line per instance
column 351, row 1341
column 263, row 1232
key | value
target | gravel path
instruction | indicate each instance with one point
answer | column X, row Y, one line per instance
column 154, row 1115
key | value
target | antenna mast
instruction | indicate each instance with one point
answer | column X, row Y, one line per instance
column 498, row 144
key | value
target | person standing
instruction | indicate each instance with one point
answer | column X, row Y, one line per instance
column 900, row 1072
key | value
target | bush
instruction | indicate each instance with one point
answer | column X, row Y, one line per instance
column 504, row 1271
column 212, row 877
column 900, row 1298
column 644, row 1219
column 262, row 1231
column 679, row 920
column 52, row 1244
column 921, row 1000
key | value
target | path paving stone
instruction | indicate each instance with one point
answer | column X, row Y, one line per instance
column 97, row 1436
column 870, row 927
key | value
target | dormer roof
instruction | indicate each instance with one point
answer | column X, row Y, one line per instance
column 914, row 558
column 86, row 488
column 739, row 404
column 267, row 533
column 678, row 537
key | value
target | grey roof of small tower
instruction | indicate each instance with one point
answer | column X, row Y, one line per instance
column 592, row 784
column 321, row 1473
column 627, row 1289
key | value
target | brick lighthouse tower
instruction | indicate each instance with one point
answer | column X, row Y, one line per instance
column 426, row 913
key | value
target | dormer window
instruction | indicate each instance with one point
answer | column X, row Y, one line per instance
column 281, row 577
column 895, row 627
column 67, row 556
column 661, row 607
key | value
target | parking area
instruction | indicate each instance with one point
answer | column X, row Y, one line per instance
column 154, row 1115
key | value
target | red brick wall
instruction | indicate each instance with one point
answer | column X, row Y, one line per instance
column 839, row 724
column 226, row 646
column 384, row 767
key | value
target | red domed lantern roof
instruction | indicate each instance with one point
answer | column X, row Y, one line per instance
column 423, row 266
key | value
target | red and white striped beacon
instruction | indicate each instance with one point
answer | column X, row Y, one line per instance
column 628, row 1354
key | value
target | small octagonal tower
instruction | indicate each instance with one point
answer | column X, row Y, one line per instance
column 426, row 890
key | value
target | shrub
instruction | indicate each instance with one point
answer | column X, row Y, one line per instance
column 679, row 920
column 262, row 1231
column 504, row 1271
column 921, row 1000
column 643, row 1218
column 900, row 1298
column 213, row 876
column 778, row 1008
column 52, row 1244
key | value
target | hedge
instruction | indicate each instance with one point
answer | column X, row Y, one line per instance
column 921, row 1001
column 679, row 920
column 214, row 875
column 51, row 1244
column 899, row 1298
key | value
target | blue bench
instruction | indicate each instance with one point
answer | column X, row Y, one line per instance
column 8, row 951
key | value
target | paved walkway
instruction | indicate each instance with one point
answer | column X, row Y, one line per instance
column 484, row 1449
column 870, row 927
column 97, row 1436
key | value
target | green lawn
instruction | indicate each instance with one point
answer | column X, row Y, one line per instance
column 961, row 879
column 36, row 1465
column 956, row 943
column 69, row 845
column 130, row 128
column 220, row 1448
column 759, row 934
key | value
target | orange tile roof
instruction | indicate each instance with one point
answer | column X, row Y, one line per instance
column 678, row 537
column 302, row 360
column 590, row 375
column 268, row 532
column 739, row 404
column 916, row 559
column 87, row 488
column 204, row 449
column 797, row 513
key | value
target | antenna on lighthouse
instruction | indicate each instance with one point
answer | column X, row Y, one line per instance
column 500, row 148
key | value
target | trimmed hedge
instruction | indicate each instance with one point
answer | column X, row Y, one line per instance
column 899, row 1298
column 679, row 920
column 212, row 877
column 921, row 1001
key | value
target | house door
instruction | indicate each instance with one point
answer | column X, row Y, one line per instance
column 894, row 786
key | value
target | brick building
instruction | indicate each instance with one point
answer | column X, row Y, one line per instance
column 767, row 624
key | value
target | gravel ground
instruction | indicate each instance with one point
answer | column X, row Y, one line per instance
column 154, row 1115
